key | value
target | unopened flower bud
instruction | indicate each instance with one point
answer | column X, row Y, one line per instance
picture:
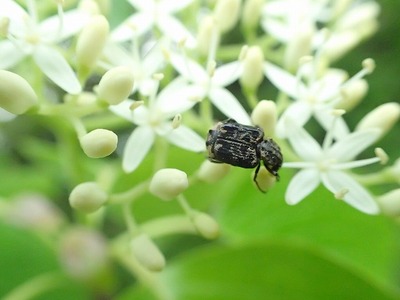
column 299, row 45
column 265, row 116
column 251, row 13
column 87, row 197
column 83, row 253
column 390, row 203
column 226, row 13
column 115, row 85
column 382, row 117
column 99, row 143
column 205, row 225
column 16, row 95
column 253, row 70
column 91, row 42
column 352, row 94
column 147, row 253
column 265, row 180
column 167, row 184
column 211, row 172
column 207, row 35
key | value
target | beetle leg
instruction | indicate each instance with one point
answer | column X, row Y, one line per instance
column 255, row 178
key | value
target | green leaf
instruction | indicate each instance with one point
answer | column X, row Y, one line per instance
column 25, row 258
column 368, row 242
column 267, row 270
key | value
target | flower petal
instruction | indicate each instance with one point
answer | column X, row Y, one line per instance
column 123, row 109
column 54, row 66
column 178, row 97
column 298, row 112
column 169, row 6
column 6, row 116
column 357, row 196
column 226, row 74
column 301, row 185
column 189, row 69
column 73, row 22
column 226, row 102
column 353, row 144
column 136, row 148
column 302, row 142
column 186, row 138
column 9, row 55
column 137, row 24
column 175, row 30
column 283, row 80
column 326, row 118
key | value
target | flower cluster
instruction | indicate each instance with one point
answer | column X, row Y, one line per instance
column 164, row 76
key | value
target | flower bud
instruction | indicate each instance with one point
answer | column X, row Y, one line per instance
column 253, row 68
column 390, row 203
column 115, row 85
column 205, row 225
column 207, row 35
column 34, row 212
column 167, row 184
column 211, row 172
column 91, row 42
column 299, row 45
column 16, row 95
column 226, row 13
column 87, row 197
column 265, row 116
column 352, row 94
column 251, row 13
column 83, row 253
column 265, row 180
column 382, row 117
column 99, row 143
column 147, row 253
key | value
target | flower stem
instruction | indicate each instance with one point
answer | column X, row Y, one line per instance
column 36, row 286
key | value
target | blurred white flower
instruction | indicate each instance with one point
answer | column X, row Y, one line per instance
column 327, row 164
column 26, row 36
column 159, row 14
column 154, row 119
column 211, row 82
column 348, row 22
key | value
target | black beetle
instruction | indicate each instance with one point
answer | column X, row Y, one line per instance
column 243, row 146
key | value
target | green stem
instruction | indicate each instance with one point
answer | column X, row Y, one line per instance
column 161, row 153
column 36, row 286
column 130, row 195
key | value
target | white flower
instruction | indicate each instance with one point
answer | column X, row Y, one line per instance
column 327, row 164
column 143, row 65
column 211, row 82
column 27, row 36
column 155, row 13
column 156, row 119
column 315, row 95
column 348, row 22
